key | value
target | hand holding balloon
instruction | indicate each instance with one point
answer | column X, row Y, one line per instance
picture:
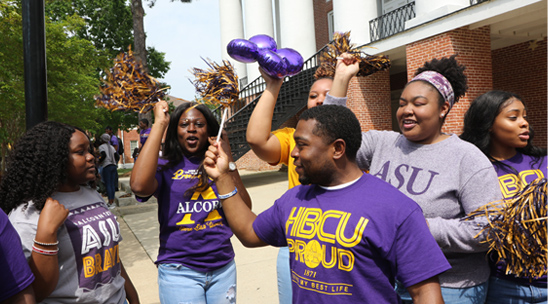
column 263, row 49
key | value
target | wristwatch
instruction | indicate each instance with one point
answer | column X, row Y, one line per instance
column 232, row 166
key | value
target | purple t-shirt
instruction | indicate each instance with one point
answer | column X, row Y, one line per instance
column 193, row 228
column 114, row 140
column 511, row 182
column 143, row 136
column 16, row 273
column 350, row 244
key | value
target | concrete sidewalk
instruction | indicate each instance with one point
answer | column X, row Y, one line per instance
column 256, row 267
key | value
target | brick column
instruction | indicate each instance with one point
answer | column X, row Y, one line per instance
column 474, row 51
column 369, row 99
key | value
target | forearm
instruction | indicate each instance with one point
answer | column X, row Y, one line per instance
column 260, row 124
column 46, row 272
column 456, row 235
column 238, row 214
column 143, row 176
column 426, row 292
column 26, row 296
column 131, row 293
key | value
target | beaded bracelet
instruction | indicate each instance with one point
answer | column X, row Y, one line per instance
column 45, row 252
column 45, row 244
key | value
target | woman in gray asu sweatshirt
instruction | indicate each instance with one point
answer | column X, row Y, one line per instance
column 445, row 175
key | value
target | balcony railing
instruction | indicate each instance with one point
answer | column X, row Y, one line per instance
column 392, row 23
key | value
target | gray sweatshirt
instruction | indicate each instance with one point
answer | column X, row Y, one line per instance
column 448, row 179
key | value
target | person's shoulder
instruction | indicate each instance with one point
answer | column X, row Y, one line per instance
column 284, row 131
column 465, row 150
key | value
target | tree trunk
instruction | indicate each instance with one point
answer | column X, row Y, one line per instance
column 139, row 41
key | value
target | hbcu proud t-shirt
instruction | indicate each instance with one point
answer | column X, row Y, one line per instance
column 349, row 245
column 193, row 228
column 89, row 260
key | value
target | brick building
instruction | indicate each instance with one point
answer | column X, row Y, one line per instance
column 502, row 43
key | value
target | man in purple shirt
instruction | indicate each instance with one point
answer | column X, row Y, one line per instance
column 350, row 234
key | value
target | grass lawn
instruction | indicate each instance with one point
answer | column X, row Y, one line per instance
column 124, row 172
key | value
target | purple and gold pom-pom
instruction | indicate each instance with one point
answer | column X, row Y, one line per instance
column 369, row 64
column 516, row 230
column 218, row 84
column 128, row 87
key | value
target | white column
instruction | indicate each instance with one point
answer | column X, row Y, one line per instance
column 354, row 16
column 258, row 20
column 297, row 26
column 232, row 27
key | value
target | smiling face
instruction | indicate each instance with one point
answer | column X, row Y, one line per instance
column 313, row 158
column 318, row 91
column 81, row 163
column 419, row 115
column 510, row 129
column 192, row 132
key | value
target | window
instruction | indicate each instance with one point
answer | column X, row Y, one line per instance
column 390, row 5
column 330, row 25
column 132, row 145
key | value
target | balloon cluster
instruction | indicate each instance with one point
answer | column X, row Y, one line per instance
column 263, row 49
column 129, row 87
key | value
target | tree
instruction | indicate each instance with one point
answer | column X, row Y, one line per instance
column 71, row 73
column 109, row 26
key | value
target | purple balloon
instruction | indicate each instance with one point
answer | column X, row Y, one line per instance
column 242, row 50
column 272, row 63
column 264, row 42
column 294, row 60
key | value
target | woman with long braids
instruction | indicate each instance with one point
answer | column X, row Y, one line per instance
column 69, row 236
column 445, row 175
column 196, row 259
column 496, row 123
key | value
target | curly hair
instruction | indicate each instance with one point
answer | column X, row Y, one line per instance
column 334, row 122
column 479, row 120
column 324, row 71
column 450, row 69
column 173, row 151
column 36, row 166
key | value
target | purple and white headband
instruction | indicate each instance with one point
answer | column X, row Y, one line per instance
column 440, row 83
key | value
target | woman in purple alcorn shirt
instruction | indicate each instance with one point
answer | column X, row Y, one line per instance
column 196, row 259
column 496, row 123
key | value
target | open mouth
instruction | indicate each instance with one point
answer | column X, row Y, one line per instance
column 192, row 140
column 408, row 123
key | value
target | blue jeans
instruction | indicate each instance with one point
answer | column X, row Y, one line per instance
column 179, row 284
column 471, row 295
column 507, row 292
column 285, row 294
column 109, row 178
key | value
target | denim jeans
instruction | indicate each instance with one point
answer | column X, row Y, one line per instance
column 109, row 178
column 507, row 292
column 285, row 294
column 471, row 295
column 181, row 285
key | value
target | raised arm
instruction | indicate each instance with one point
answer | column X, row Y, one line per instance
column 143, row 176
column 235, row 174
column 45, row 265
column 262, row 142
column 347, row 67
column 239, row 216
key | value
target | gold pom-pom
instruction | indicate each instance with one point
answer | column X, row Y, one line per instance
column 218, row 84
column 369, row 64
column 517, row 230
column 129, row 87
